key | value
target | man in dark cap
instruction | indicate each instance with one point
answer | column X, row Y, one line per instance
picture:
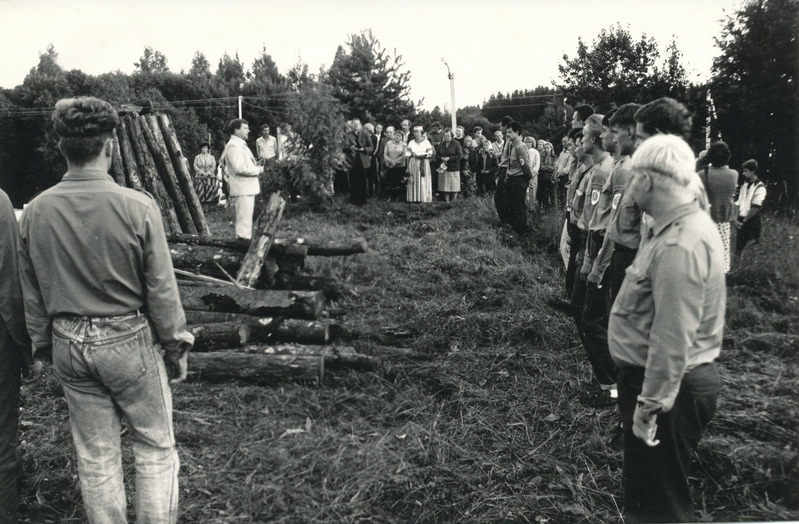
column 100, row 295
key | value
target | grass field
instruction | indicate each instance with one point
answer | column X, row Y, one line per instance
column 473, row 416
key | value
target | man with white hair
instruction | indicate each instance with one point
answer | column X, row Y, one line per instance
column 665, row 333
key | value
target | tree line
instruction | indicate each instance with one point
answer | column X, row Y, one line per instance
column 752, row 87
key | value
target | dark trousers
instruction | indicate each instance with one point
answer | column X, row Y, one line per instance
column 593, row 327
column 10, row 466
column 620, row 260
column 749, row 232
column 509, row 199
column 372, row 182
column 500, row 197
column 485, row 182
column 358, row 184
column 655, row 480
column 576, row 242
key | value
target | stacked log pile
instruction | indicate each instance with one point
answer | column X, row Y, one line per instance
column 147, row 155
column 269, row 322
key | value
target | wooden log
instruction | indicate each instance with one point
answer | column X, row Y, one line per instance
column 266, row 303
column 283, row 246
column 155, row 141
column 271, row 368
column 265, row 227
column 152, row 181
column 328, row 285
column 335, row 356
column 181, row 165
column 203, row 259
column 117, row 167
column 128, row 157
column 274, row 329
column 220, row 335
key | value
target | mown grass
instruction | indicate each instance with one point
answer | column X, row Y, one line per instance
column 474, row 415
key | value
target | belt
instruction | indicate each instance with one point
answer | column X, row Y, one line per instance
column 122, row 316
column 621, row 248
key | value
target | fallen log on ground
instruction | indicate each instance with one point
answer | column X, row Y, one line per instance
column 328, row 285
column 207, row 259
column 281, row 246
column 265, row 303
column 335, row 356
column 274, row 329
column 204, row 259
column 220, row 335
column 273, row 368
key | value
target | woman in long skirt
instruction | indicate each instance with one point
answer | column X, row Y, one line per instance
column 720, row 184
column 419, row 153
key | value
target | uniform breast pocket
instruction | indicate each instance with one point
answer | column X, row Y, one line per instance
column 636, row 293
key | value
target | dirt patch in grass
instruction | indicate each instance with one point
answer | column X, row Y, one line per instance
column 474, row 415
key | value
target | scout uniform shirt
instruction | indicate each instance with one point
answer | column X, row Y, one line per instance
column 669, row 315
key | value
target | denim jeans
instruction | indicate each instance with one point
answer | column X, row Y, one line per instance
column 10, row 467
column 655, row 480
column 111, row 368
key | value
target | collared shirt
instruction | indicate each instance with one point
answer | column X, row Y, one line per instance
column 266, row 147
column 596, row 181
column 504, row 157
column 89, row 247
column 624, row 225
column 607, row 209
column 535, row 160
column 11, row 308
column 241, row 168
column 517, row 157
column 564, row 163
column 752, row 194
column 669, row 315
column 579, row 180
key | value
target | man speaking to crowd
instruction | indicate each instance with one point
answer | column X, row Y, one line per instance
column 100, row 294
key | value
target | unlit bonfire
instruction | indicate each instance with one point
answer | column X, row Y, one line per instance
column 269, row 321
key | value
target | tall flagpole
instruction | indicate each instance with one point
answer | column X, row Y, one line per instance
column 454, row 108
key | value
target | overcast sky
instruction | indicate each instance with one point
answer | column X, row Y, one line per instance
column 490, row 46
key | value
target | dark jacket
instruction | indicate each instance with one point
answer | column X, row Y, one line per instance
column 453, row 151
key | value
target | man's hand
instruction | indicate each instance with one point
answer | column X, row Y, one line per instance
column 644, row 426
column 177, row 362
column 594, row 279
column 34, row 372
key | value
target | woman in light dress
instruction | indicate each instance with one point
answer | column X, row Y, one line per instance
column 419, row 153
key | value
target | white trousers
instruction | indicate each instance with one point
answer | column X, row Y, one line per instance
column 565, row 248
column 244, row 205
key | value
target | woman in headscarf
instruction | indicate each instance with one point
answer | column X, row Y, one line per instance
column 419, row 153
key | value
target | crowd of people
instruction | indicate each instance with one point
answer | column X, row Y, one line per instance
column 646, row 246
column 413, row 164
column 87, row 281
